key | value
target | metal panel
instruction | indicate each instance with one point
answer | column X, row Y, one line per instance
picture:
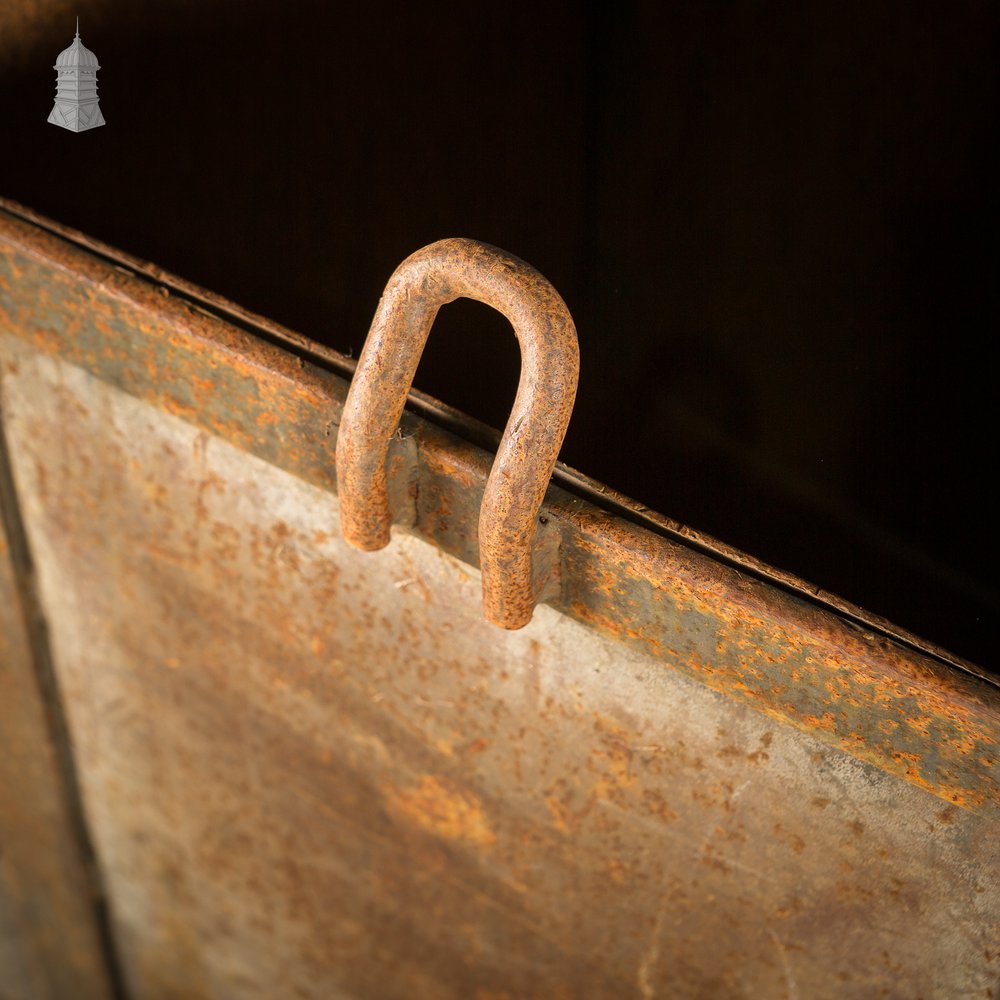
column 313, row 771
column 50, row 944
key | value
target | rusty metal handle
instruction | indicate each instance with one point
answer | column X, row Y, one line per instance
column 550, row 365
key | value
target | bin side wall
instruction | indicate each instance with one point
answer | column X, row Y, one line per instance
column 317, row 772
column 844, row 681
column 49, row 941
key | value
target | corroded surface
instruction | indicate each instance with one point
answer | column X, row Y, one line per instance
column 315, row 771
column 318, row 772
column 527, row 452
column 618, row 577
column 469, row 429
column 49, row 944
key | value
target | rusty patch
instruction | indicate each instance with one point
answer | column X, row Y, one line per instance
column 798, row 664
column 439, row 807
column 309, row 780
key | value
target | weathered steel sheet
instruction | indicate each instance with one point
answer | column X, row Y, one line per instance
column 49, row 942
column 642, row 587
column 312, row 771
column 317, row 772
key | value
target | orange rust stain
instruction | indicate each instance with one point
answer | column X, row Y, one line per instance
column 827, row 722
column 613, row 762
column 156, row 492
column 793, row 840
column 609, row 790
column 559, row 813
column 921, row 725
column 467, row 472
column 656, row 805
column 964, row 746
column 439, row 807
column 171, row 404
column 617, row 869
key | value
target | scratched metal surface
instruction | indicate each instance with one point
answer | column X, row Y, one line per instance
column 311, row 771
column 49, row 944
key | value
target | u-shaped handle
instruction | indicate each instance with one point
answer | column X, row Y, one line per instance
column 550, row 366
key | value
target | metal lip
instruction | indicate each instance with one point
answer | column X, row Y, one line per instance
column 476, row 432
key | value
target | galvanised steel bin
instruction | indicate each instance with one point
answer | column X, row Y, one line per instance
column 240, row 757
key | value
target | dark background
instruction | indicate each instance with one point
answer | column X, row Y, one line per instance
column 775, row 225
